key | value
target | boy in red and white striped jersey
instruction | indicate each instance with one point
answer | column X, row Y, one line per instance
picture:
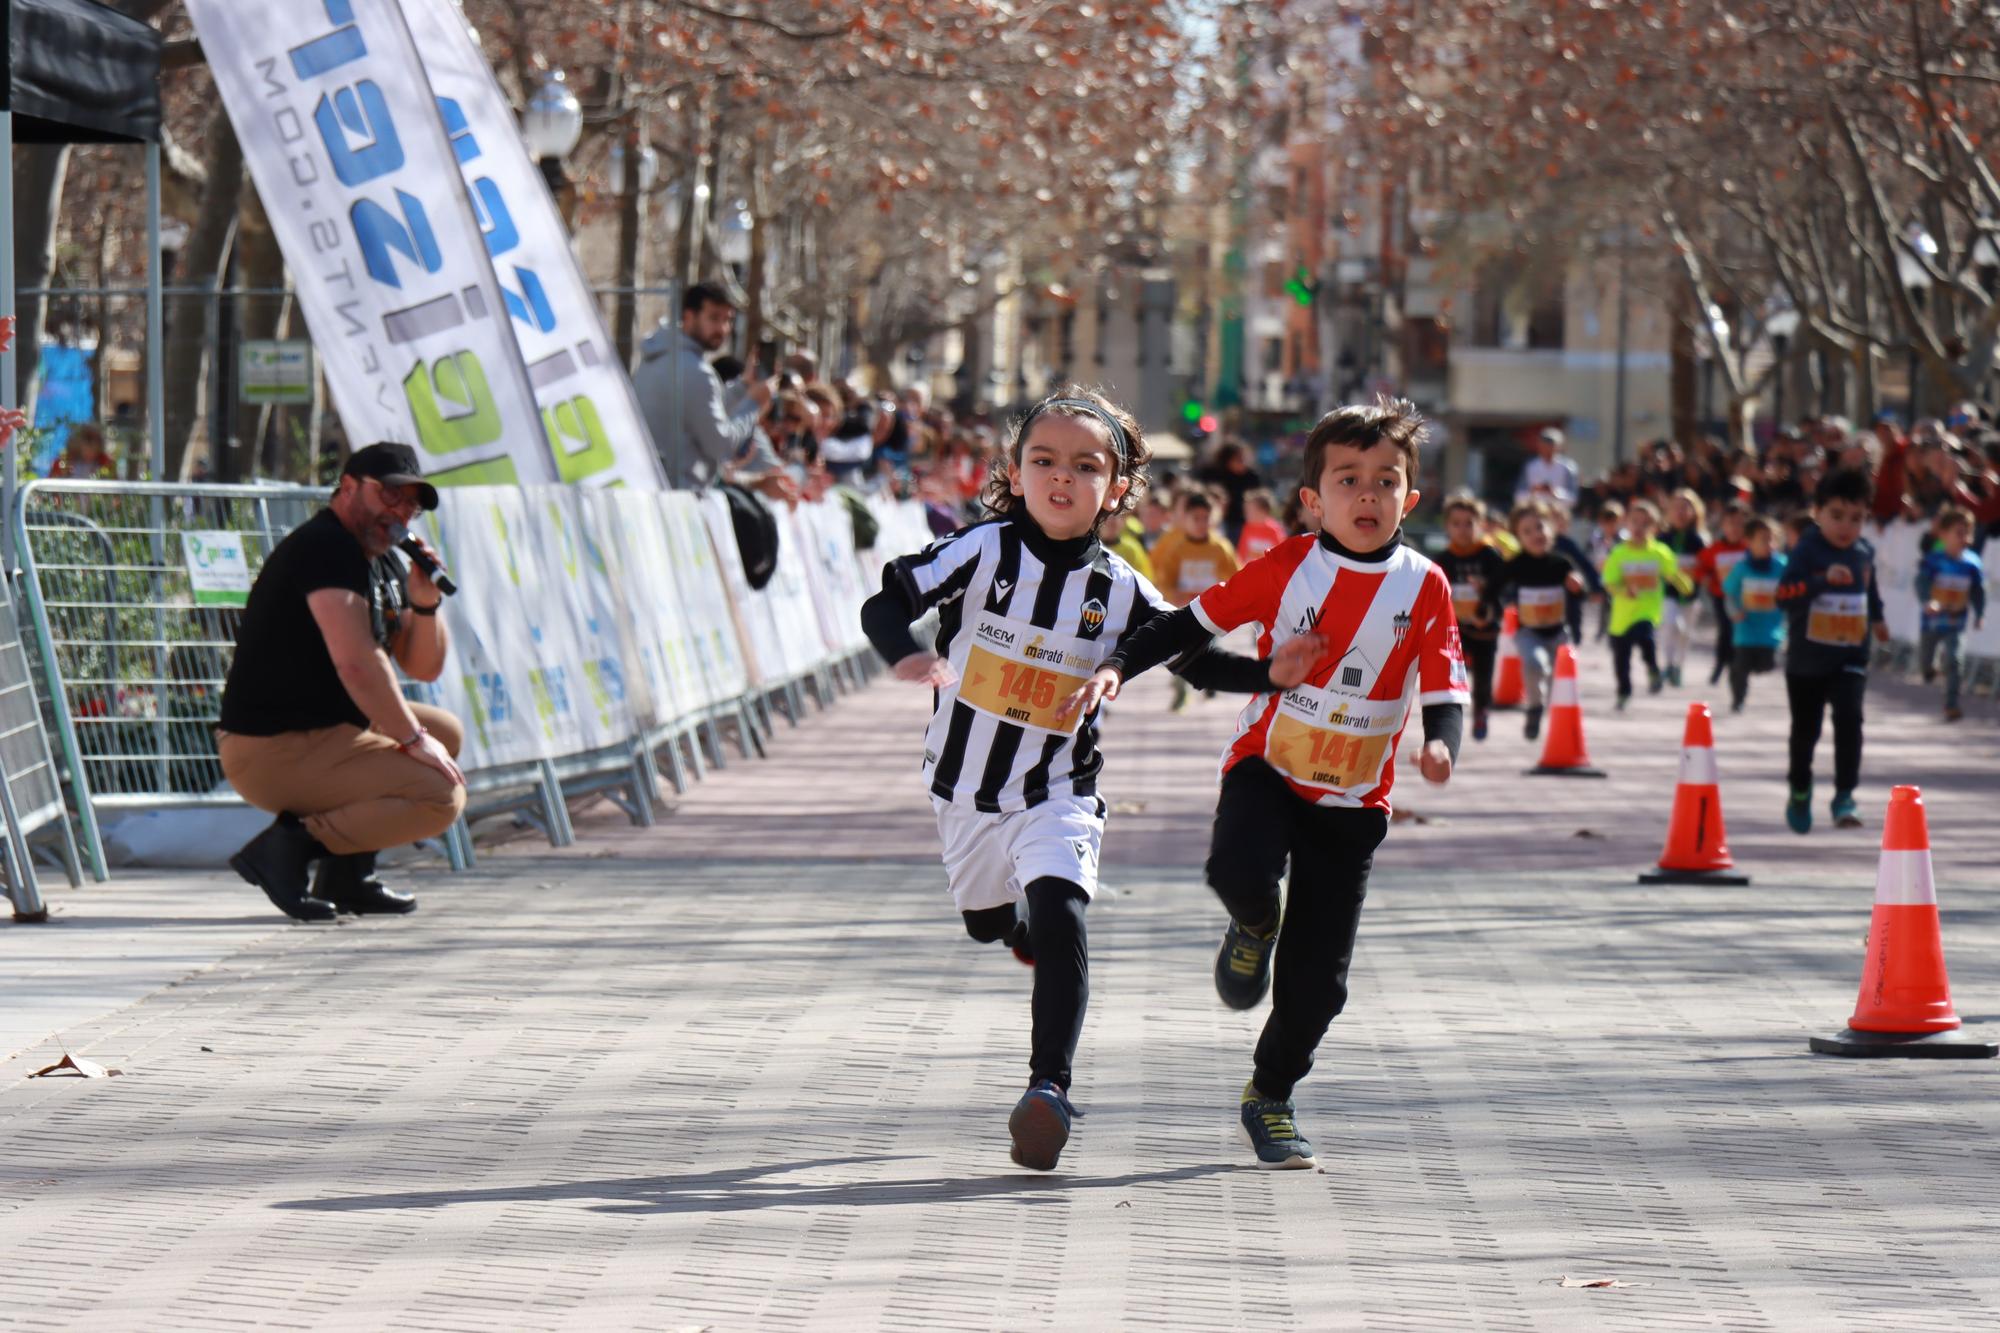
column 1308, row 774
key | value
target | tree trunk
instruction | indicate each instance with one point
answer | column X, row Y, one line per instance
column 753, row 286
column 1686, row 409
column 39, row 170
column 201, row 260
column 260, row 267
column 631, row 218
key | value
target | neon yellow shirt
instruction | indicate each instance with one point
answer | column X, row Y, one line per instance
column 1637, row 578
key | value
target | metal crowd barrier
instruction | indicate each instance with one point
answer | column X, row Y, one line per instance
column 132, row 670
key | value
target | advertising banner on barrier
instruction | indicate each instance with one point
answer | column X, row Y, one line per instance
column 343, row 138
column 663, row 676
column 589, row 412
column 576, row 616
column 709, row 596
column 485, row 682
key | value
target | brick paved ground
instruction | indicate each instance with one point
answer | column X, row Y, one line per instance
column 743, row 1071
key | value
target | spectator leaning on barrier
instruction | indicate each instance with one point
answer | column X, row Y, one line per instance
column 699, row 438
column 314, row 727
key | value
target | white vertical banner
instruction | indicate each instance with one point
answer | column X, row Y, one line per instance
column 343, row 138
column 708, row 581
column 589, row 411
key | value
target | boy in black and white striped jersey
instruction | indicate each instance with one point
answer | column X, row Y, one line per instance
column 1029, row 603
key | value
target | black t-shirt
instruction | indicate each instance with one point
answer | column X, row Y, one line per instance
column 283, row 678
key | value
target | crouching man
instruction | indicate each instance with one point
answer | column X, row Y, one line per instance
column 314, row 727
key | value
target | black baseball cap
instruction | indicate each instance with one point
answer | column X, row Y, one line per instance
column 392, row 465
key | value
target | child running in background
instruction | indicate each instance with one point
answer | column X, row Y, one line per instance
column 1124, row 537
column 1687, row 537
column 1192, row 565
column 1028, row 604
column 1605, row 533
column 1474, row 569
column 1261, row 529
column 1539, row 584
column 1750, row 608
column 1571, row 550
column 1832, row 605
column 1636, row 575
column 1951, row 586
column 1717, row 559
column 1307, row 779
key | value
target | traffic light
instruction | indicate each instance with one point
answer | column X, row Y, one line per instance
column 1191, row 411
column 1303, row 288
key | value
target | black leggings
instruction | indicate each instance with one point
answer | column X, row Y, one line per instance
column 1062, row 969
column 1725, row 638
column 1259, row 824
column 1810, row 696
column 1639, row 634
column 1479, row 655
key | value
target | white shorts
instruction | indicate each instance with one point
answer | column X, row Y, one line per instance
column 990, row 859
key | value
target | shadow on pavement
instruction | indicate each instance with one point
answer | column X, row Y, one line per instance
column 746, row 1189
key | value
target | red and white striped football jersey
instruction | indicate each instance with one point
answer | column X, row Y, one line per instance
column 1392, row 637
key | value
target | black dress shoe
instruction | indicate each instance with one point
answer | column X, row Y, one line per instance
column 277, row 860
column 349, row 883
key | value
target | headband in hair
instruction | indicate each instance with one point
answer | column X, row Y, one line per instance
column 1119, row 442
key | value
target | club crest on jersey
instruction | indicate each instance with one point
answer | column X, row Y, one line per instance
column 1093, row 616
column 1402, row 624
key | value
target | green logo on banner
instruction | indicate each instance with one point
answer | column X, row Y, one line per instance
column 452, row 403
column 577, row 439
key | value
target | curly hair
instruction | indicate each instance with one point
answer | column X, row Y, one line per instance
column 999, row 497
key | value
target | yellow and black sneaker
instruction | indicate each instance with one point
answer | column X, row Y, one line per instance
column 1243, row 966
column 1272, row 1131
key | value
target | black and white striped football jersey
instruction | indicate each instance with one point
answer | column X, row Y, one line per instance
column 1024, row 621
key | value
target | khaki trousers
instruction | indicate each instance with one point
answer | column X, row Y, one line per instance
column 355, row 791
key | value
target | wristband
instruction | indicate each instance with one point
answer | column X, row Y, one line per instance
column 430, row 610
column 415, row 740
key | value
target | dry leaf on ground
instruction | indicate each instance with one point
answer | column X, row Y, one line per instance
column 71, row 1067
column 1569, row 1281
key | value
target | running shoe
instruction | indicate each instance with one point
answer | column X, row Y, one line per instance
column 1181, row 695
column 1654, row 682
column 1479, row 724
column 1624, row 700
column 1040, row 1126
column 1843, row 810
column 1953, row 714
column 1271, row 1128
column 1674, row 676
column 1243, row 966
column 1798, row 812
column 1531, row 726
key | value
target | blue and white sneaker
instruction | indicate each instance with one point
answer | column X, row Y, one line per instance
column 1798, row 812
column 1844, row 811
column 1040, row 1126
column 1271, row 1128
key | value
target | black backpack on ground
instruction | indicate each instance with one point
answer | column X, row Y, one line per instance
column 756, row 532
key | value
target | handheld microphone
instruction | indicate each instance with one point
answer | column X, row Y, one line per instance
column 407, row 543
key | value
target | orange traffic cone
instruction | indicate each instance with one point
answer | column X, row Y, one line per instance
column 1697, row 849
column 1905, row 1005
column 1563, row 753
column 1507, row 687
